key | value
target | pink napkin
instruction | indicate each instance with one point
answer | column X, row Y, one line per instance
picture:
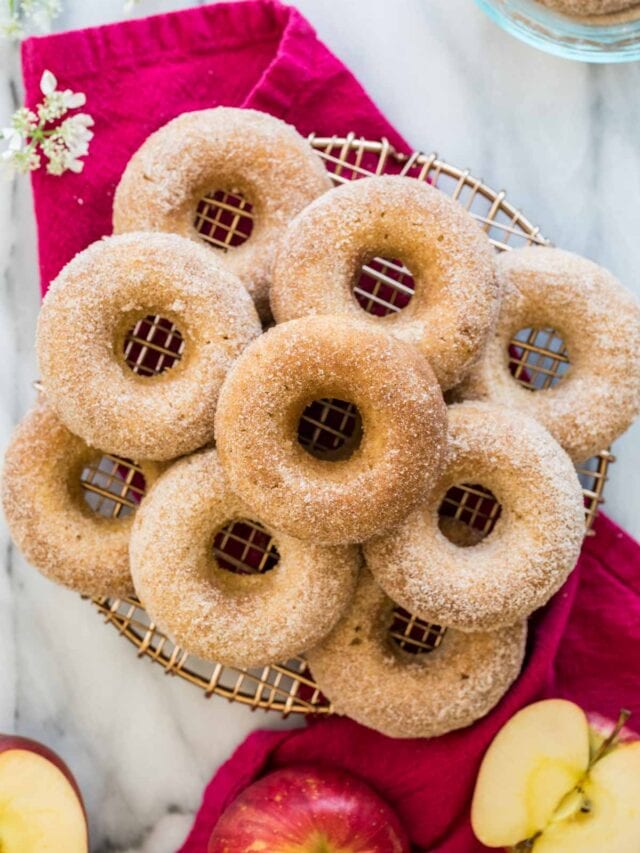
column 140, row 74
column 584, row 645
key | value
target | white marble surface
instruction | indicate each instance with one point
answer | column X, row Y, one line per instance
column 562, row 137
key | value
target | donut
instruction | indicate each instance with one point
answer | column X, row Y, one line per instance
column 50, row 521
column 86, row 316
column 235, row 619
column 599, row 321
column 372, row 680
column 526, row 557
column 590, row 7
column 331, row 501
column 234, row 150
column 451, row 260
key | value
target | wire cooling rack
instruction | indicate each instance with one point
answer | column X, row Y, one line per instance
column 538, row 359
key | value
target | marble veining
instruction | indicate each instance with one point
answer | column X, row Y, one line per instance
column 562, row 137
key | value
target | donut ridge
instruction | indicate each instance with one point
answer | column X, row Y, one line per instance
column 598, row 319
column 229, row 149
column 49, row 520
column 238, row 620
column 454, row 303
column 403, row 695
column 331, row 501
column 85, row 318
column 526, row 557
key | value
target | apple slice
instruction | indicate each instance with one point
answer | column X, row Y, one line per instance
column 41, row 809
column 534, row 761
column 609, row 821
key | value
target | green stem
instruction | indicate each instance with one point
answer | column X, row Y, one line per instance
column 39, row 134
column 610, row 741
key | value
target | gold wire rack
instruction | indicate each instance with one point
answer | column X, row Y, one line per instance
column 115, row 486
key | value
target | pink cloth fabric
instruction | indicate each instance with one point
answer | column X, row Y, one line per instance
column 585, row 645
column 140, row 74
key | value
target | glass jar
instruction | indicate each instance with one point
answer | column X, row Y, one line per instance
column 613, row 37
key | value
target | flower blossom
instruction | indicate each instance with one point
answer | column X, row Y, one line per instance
column 33, row 134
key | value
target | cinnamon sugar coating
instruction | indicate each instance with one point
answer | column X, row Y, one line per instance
column 385, row 477
column 598, row 319
column 590, row 7
column 88, row 311
column 532, row 548
column 49, row 519
column 238, row 620
column 451, row 260
column 402, row 695
column 234, row 150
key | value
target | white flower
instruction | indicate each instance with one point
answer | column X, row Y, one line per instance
column 41, row 12
column 24, row 121
column 76, row 134
column 22, row 161
column 10, row 27
column 38, row 13
column 56, row 103
column 73, row 100
column 48, row 83
column 63, row 144
column 64, row 148
column 14, row 138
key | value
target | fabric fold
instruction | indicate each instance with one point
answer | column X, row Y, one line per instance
column 584, row 646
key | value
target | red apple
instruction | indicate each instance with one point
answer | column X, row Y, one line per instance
column 41, row 807
column 308, row 809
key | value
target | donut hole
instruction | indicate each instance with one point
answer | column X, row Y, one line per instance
column 413, row 635
column 468, row 514
column 112, row 487
column 152, row 345
column 330, row 428
column 244, row 547
column 538, row 358
column 383, row 286
column 224, row 219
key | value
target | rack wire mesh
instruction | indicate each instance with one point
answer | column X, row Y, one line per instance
column 115, row 486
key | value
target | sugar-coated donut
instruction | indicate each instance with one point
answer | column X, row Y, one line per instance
column 49, row 519
column 387, row 474
column 532, row 548
column 599, row 321
column 451, row 260
column 371, row 679
column 590, row 7
column 234, row 150
column 86, row 315
column 238, row 620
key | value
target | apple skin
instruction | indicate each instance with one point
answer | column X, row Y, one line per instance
column 600, row 727
column 8, row 742
column 308, row 809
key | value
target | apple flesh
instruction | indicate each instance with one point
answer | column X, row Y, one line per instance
column 555, row 781
column 308, row 809
column 41, row 809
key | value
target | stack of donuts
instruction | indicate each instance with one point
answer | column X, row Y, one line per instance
column 216, row 436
